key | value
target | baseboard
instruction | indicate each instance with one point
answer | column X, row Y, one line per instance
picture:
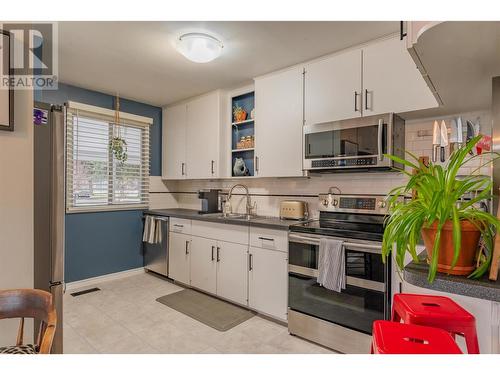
column 74, row 285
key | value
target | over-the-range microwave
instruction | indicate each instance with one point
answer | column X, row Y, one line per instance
column 355, row 144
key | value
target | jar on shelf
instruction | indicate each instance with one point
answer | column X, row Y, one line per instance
column 241, row 143
column 248, row 142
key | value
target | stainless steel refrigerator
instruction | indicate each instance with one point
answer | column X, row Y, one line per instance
column 49, row 207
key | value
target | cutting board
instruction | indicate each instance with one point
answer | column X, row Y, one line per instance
column 495, row 261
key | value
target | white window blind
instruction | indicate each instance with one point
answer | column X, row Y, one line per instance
column 96, row 179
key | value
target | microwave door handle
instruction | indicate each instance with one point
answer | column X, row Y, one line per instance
column 380, row 133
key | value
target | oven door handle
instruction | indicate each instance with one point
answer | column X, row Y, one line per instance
column 350, row 280
column 368, row 248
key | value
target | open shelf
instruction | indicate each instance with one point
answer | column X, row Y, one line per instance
column 243, row 129
column 243, row 122
column 243, row 149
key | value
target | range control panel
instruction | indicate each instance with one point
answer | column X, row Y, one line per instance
column 353, row 203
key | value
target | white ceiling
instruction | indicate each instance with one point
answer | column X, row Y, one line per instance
column 138, row 59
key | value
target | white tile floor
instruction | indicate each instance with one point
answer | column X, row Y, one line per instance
column 124, row 317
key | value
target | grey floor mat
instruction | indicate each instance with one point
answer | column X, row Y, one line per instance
column 208, row 310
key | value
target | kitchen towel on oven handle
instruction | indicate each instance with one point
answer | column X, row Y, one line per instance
column 331, row 264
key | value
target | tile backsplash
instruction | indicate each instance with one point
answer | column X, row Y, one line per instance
column 269, row 192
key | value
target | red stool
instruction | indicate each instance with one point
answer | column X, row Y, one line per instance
column 397, row 338
column 439, row 312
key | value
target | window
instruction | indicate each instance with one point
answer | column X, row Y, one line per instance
column 98, row 176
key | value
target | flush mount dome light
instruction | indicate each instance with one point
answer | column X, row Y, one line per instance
column 199, row 47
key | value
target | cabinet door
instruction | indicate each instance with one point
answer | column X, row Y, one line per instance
column 179, row 257
column 203, row 264
column 278, row 125
column 232, row 272
column 332, row 88
column 174, row 142
column 391, row 80
column 203, row 136
column 268, row 282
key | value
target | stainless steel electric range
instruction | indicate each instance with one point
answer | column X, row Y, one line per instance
column 340, row 320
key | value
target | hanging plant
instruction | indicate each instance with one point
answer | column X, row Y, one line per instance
column 117, row 144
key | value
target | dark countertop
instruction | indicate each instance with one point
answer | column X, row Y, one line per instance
column 258, row 221
column 416, row 274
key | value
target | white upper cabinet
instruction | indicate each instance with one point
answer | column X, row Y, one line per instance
column 278, row 125
column 174, row 142
column 191, row 138
column 332, row 88
column 203, row 136
column 391, row 80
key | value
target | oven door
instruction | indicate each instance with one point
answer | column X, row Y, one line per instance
column 362, row 301
column 355, row 143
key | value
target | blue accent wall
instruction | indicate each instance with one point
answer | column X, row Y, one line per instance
column 99, row 243
column 102, row 243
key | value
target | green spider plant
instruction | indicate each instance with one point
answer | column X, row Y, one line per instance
column 438, row 192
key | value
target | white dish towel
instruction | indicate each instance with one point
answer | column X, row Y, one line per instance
column 149, row 230
column 158, row 235
column 331, row 264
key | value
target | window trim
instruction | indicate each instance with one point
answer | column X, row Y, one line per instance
column 131, row 120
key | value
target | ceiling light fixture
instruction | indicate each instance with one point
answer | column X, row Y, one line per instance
column 199, row 47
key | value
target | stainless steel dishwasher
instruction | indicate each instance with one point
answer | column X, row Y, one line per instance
column 155, row 248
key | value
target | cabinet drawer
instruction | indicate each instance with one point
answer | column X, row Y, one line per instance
column 269, row 239
column 180, row 225
column 224, row 232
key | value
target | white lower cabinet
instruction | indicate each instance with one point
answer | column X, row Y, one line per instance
column 232, row 272
column 255, row 276
column 179, row 257
column 204, row 264
column 268, row 282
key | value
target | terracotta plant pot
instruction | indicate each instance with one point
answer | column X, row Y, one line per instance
column 468, row 249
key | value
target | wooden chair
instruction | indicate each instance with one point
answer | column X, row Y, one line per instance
column 29, row 303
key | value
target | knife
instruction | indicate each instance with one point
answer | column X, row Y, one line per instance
column 460, row 132
column 453, row 135
column 470, row 133
column 435, row 141
column 444, row 140
column 456, row 136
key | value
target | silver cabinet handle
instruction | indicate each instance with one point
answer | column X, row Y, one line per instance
column 212, row 168
column 366, row 99
column 218, row 254
column 213, row 248
column 179, row 225
column 187, row 247
column 380, row 125
column 182, row 169
column 356, row 101
column 256, row 164
column 250, row 261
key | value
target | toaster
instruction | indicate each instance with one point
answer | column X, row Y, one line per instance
column 293, row 210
